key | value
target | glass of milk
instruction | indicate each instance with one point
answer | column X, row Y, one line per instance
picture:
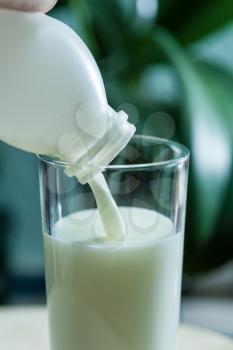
column 121, row 294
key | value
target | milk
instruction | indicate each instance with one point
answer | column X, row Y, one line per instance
column 112, row 220
column 117, row 295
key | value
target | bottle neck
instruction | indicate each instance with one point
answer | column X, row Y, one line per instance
column 91, row 151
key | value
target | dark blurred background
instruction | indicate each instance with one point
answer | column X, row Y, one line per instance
column 169, row 65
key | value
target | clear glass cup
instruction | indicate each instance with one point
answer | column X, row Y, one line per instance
column 122, row 295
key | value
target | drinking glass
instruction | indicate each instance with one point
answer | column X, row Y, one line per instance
column 123, row 294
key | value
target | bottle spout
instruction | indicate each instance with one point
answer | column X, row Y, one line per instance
column 101, row 133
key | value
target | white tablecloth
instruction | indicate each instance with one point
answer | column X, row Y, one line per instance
column 27, row 329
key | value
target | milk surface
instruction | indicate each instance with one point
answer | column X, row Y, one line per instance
column 113, row 296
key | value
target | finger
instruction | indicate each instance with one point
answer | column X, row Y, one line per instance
column 28, row 5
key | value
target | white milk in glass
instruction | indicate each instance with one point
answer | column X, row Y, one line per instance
column 113, row 295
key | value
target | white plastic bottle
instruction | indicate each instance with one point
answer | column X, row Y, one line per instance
column 52, row 97
column 53, row 102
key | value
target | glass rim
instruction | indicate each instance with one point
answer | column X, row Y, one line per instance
column 183, row 155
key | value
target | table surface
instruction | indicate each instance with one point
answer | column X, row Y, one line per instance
column 26, row 328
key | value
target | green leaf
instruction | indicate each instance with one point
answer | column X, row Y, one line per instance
column 220, row 83
column 191, row 20
column 206, row 131
column 210, row 17
column 63, row 14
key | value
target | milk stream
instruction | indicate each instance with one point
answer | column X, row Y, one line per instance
column 109, row 212
column 115, row 295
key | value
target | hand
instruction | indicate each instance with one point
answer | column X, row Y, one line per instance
column 28, row 5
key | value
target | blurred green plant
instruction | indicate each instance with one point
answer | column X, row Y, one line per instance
column 3, row 256
column 134, row 38
column 4, row 227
